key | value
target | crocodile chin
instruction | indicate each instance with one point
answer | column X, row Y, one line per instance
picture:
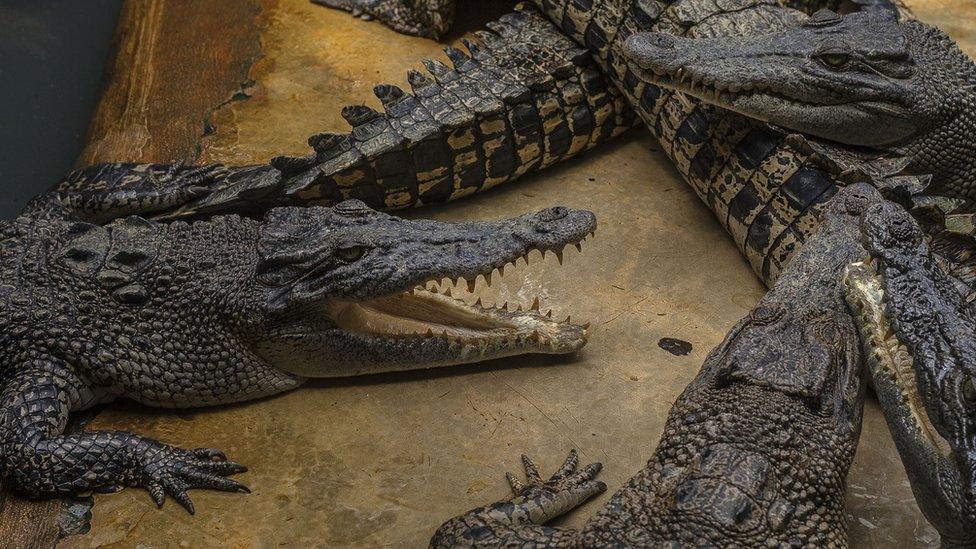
column 885, row 354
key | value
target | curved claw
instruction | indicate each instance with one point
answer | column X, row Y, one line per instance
column 572, row 460
column 172, row 471
column 531, row 471
column 517, row 485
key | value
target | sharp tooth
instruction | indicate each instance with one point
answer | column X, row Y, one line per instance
column 478, row 303
column 446, row 283
column 586, row 326
column 549, row 313
column 567, row 321
column 559, row 257
column 484, row 278
column 579, row 247
column 430, row 332
column 535, row 304
column 460, row 283
column 535, row 336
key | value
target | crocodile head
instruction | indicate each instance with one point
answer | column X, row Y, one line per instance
column 863, row 79
column 920, row 344
column 345, row 289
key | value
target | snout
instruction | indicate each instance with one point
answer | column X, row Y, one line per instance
column 651, row 50
column 553, row 228
column 885, row 226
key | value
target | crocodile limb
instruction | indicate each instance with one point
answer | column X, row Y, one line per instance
column 919, row 334
column 864, row 79
column 756, row 450
column 230, row 309
column 522, row 98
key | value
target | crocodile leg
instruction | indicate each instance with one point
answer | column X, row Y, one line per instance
column 520, row 521
column 43, row 462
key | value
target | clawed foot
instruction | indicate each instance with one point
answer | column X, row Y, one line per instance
column 540, row 501
column 173, row 471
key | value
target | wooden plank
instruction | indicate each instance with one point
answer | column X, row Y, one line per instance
column 172, row 63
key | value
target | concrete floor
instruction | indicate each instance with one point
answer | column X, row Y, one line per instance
column 382, row 461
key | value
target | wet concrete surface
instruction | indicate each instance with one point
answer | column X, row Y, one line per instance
column 384, row 460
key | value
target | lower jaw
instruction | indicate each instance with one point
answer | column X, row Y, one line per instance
column 425, row 318
column 884, row 354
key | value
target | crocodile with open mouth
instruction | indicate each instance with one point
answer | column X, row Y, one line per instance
column 919, row 337
column 227, row 309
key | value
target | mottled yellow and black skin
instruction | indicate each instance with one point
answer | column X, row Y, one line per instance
column 865, row 79
column 756, row 450
column 521, row 98
column 185, row 314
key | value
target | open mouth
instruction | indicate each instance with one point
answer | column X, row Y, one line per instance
column 885, row 353
column 452, row 311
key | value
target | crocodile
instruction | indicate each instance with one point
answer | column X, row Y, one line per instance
column 866, row 79
column 755, row 451
column 919, row 337
column 232, row 308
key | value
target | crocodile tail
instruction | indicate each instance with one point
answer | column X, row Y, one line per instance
column 518, row 98
column 102, row 192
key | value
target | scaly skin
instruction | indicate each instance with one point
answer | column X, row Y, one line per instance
column 755, row 451
column 230, row 309
column 427, row 18
column 920, row 336
column 523, row 98
column 766, row 186
column 865, row 79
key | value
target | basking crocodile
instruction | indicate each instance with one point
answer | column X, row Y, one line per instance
column 919, row 336
column 757, row 448
column 865, row 79
column 229, row 309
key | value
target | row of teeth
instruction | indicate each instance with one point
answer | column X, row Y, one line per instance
column 455, row 288
column 708, row 83
column 502, row 340
column 898, row 367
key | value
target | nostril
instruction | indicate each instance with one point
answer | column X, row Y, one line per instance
column 552, row 214
column 662, row 41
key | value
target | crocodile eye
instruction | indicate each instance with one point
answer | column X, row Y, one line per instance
column 835, row 58
column 969, row 392
column 350, row 253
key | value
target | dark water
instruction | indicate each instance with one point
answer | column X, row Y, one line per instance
column 52, row 53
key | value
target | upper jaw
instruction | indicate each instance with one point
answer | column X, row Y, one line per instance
column 430, row 311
